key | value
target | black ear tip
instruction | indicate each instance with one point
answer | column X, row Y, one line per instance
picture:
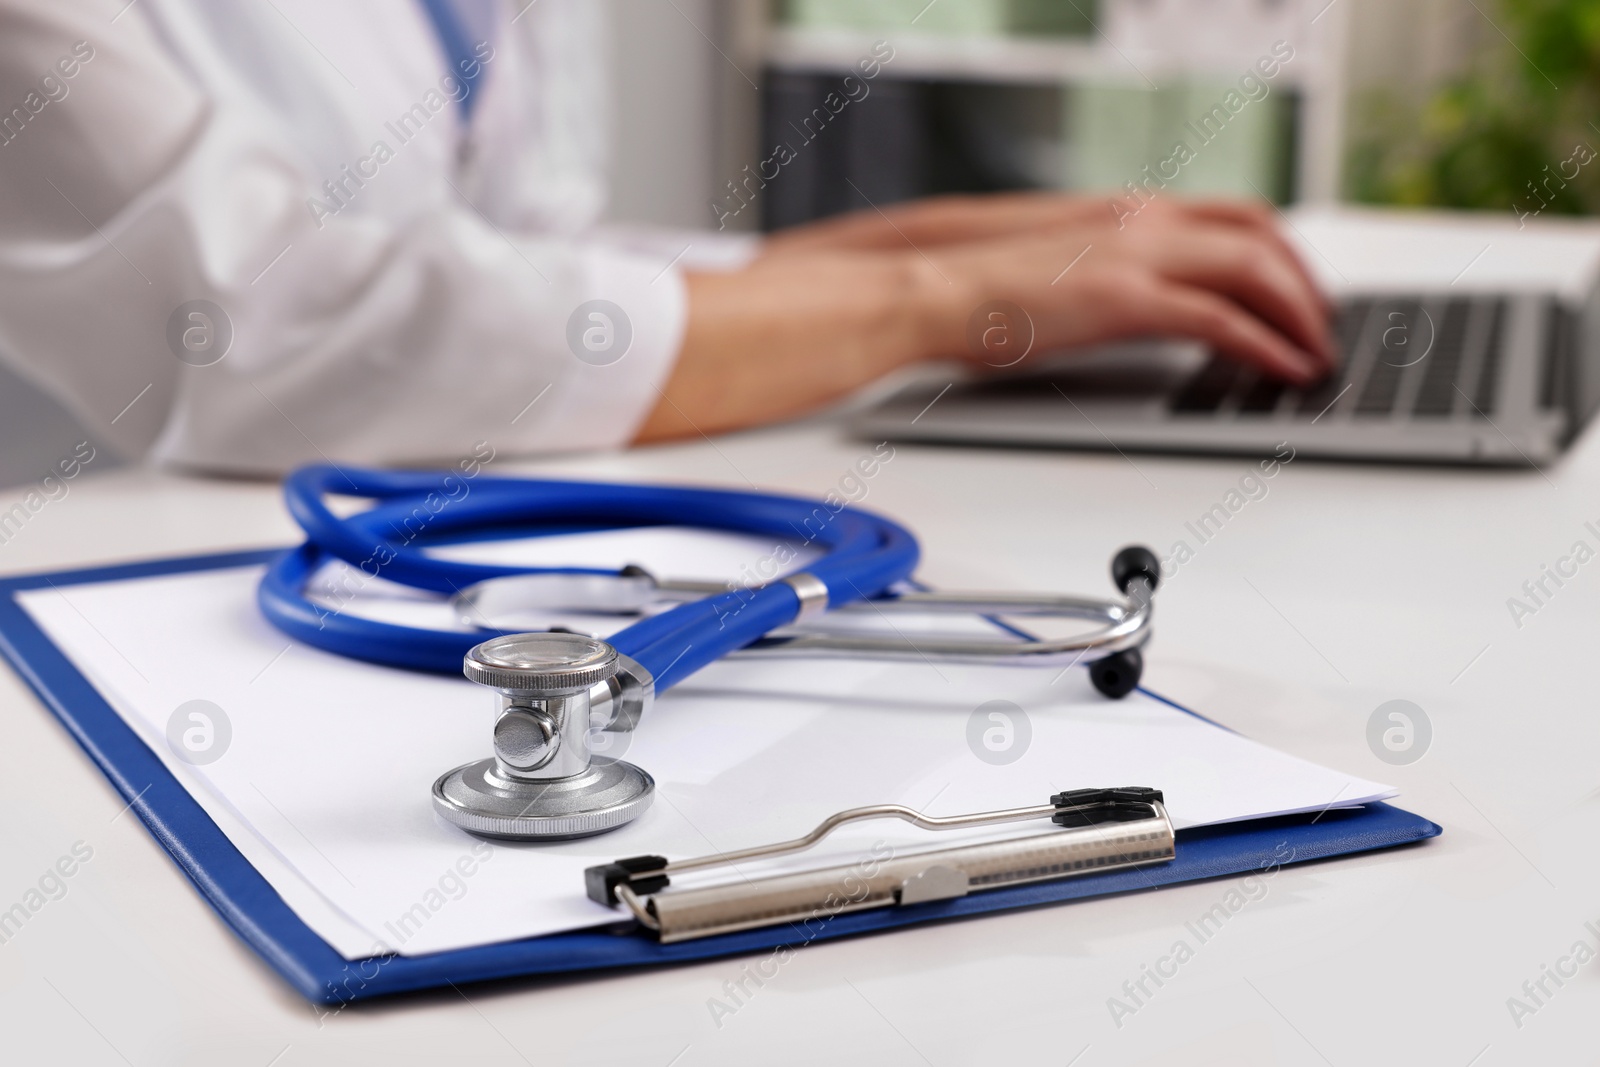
column 1135, row 561
column 1118, row 674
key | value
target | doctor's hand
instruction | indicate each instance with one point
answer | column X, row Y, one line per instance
column 963, row 219
column 1202, row 272
column 830, row 307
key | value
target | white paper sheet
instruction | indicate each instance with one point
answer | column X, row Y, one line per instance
column 325, row 783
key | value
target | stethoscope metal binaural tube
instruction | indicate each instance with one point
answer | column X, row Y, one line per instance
column 1122, row 626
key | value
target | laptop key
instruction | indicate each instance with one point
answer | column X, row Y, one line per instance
column 1485, row 392
column 1210, row 386
column 1401, row 329
column 1347, row 324
column 1436, row 396
column 1261, row 398
column 1347, row 327
column 1314, row 401
column 1378, row 394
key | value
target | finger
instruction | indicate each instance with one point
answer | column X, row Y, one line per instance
column 1254, row 273
column 994, row 215
column 1257, row 219
column 1260, row 218
column 1252, row 213
column 1202, row 315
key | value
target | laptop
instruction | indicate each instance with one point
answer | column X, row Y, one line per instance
column 1464, row 340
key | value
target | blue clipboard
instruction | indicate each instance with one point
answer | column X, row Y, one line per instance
column 248, row 904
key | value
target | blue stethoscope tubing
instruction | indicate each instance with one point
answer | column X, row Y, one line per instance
column 865, row 554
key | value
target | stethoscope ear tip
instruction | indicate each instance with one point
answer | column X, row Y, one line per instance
column 1135, row 561
column 1118, row 674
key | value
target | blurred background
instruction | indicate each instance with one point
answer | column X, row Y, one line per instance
column 1485, row 105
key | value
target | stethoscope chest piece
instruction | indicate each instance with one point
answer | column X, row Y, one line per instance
column 542, row 782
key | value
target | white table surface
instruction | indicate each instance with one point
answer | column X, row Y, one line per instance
column 1346, row 587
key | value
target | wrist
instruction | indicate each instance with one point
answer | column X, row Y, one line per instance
column 938, row 304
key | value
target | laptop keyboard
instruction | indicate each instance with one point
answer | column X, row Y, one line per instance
column 1402, row 358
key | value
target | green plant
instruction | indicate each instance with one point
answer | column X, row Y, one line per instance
column 1518, row 131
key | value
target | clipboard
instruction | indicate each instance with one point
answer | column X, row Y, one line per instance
column 250, row 906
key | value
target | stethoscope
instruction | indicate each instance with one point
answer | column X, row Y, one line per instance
column 544, row 780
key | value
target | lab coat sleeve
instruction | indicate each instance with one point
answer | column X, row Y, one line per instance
column 130, row 194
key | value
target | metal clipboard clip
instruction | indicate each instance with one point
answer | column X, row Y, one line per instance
column 1101, row 830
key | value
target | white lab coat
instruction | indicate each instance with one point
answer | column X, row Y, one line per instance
column 185, row 158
